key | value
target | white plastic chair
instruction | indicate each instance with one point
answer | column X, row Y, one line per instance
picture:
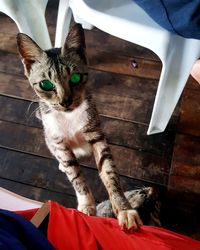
column 126, row 20
column 29, row 18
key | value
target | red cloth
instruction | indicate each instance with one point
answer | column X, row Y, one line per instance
column 70, row 229
column 27, row 214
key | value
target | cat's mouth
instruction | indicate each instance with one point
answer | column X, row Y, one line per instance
column 68, row 106
column 63, row 109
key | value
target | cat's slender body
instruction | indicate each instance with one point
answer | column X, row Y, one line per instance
column 70, row 120
column 65, row 137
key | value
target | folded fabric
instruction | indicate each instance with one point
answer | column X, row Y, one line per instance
column 73, row 230
column 17, row 233
column 70, row 229
column 178, row 16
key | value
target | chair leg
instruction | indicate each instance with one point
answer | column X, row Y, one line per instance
column 63, row 22
column 174, row 75
column 29, row 18
column 85, row 24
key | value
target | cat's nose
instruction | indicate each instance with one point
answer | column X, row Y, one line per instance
column 66, row 103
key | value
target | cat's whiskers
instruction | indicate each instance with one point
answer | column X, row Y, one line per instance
column 29, row 107
column 34, row 111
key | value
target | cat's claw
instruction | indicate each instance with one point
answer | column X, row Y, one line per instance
column 87, row 209
column 62, row 168
column 129, row 219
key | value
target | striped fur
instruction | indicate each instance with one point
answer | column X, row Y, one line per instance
column 145, row 200
column 71, row 122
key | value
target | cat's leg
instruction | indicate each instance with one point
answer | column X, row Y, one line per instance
column 70, row 166
column 127, row 217
column 86, row 203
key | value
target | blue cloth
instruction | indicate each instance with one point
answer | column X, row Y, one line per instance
column 178, row 16
column 17, row 233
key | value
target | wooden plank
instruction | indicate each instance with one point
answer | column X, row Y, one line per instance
column 7, row 25
column 117, row 131
column 23, row 138
column 180, row 213
column 100, row 60
column 121, row 85
column 10, row 64
column 43, row 173
column 8, row 34
column 99, row 40
column 107, row 61
column 185, row 184
column 187, row 152
column 192, row 84
column 39, row 194
column 16, row 86
column 108, row 103
column 185, row 171
column 130, row 162
column 19, row 111
column 136, row 110
column 134, row 136
column 124, row 108
column 99, row 81
column 138, row 164
column 190, row 113
column 51, row 13
column 8, row 42
column 9, row 29
column 114, row 95
column 33, row 170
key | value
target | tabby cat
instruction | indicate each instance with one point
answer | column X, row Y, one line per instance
column 145, row 200
column 70, row 119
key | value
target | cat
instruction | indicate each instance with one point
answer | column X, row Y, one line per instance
column 145, row 200
column 70, row 119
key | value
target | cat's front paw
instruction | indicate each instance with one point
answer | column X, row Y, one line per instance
column 129, row 219
column 87, row 209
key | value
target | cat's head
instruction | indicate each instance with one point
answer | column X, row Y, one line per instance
column 58, row 75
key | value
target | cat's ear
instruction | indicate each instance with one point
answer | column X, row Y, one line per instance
column 29, row 50
column 75, row 40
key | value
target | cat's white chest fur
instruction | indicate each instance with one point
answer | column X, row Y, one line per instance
column 69, row 125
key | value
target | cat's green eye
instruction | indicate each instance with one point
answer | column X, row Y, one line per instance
column 46, row 85
column 75, row 79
